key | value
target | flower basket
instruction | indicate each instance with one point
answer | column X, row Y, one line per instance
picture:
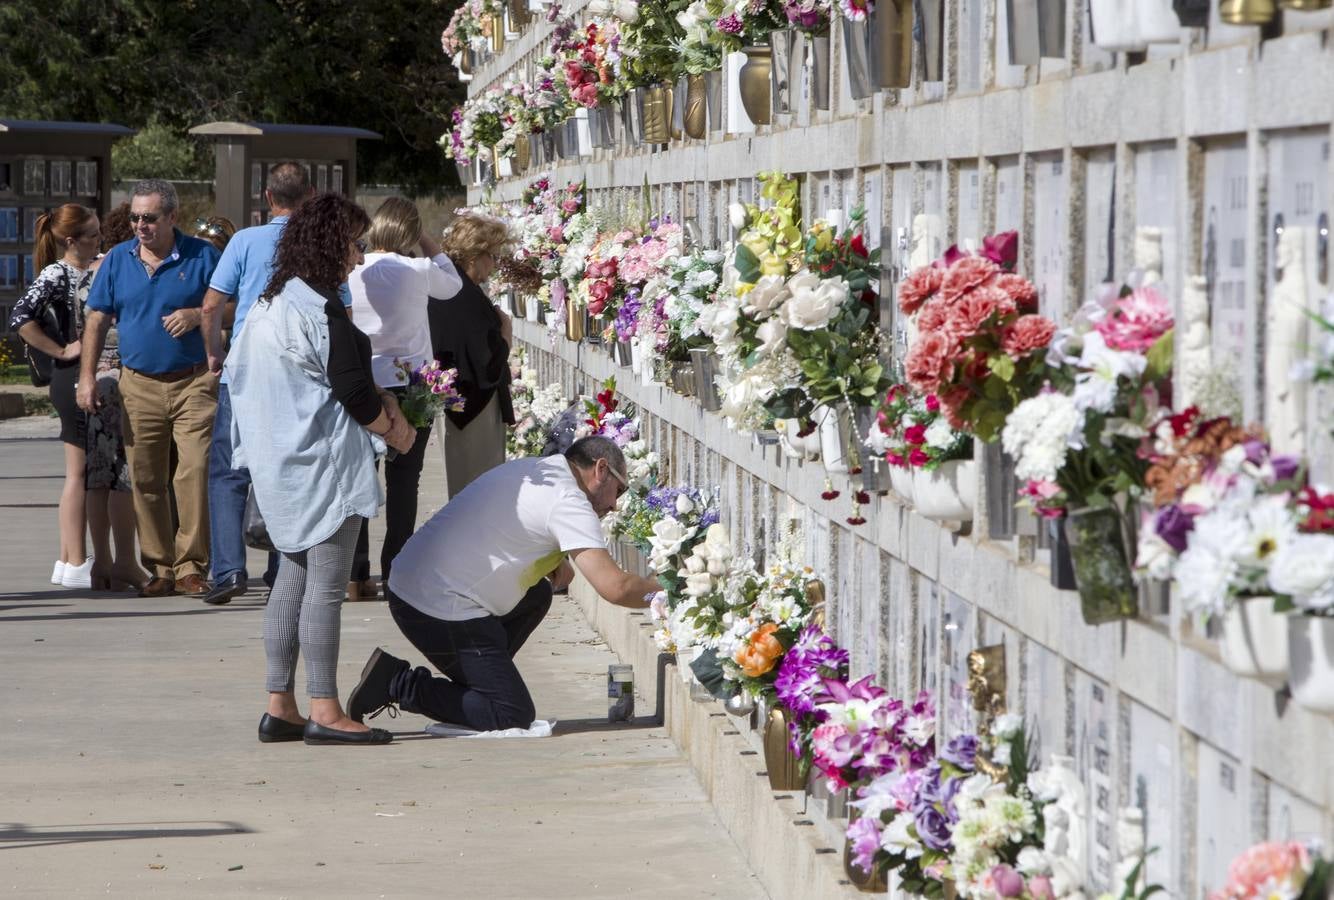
column 783, row 766
column 1255, row 639
column 787, row 49
column 756, row 84
column 705, row 364
column 947, row 493
column 872, row 882
column 1106, row 587
column 1311, row 659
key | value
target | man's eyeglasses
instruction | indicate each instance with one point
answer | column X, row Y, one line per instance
column 146, row 218
column 625, row 484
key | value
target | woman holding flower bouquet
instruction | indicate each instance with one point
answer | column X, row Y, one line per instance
column 390, row 290
column 472, row 335
column 308, row 422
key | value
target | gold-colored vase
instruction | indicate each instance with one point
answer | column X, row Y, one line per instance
column 497, row 33
column 657, row 114
column 1304, row 5
column 574, row 321
column 697, row 107
column 893, row 36
column 784, row 767
column 465, row 61
column 1247, row 12
column 519, row 14
column 522, row 155
column 755, row 91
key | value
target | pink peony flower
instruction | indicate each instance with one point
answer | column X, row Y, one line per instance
column 933, row 315
column 1027, row 334
column 919, row 287
column 968, row 273
column 972, row 310
column 929, row 362
column 586, row 95
column 1268, row 869
column 1021, row 290
column 1136, row 321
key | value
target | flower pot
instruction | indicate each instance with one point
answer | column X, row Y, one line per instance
column 574, row 321
column 713, row 88
column 947, row 493
column 1062, row 567
column 891, row 43
column 537, row 310
column 466, row 62
column 705, row 364
column 1106, row 588
column 519, row 15
column 621, row 352
column 901, row 481
column 657, row 114
column 858, row 59
column 1037, row 29
column 465, row 173
column 592, row 328
column 755, row 84
column 786, row 51
column 519, row 304
column 833, row 430
column 681, row 378
column 523, row 157
column 696, row 116
column 819, row 76
column 678, row 93
column 497, row 33
column 1255, row 639
column 583, row 132
column 632, row 118
column 601, row 125
column 1000, row 488
column 784, row 767
column 1311, row 659
column 872, row 882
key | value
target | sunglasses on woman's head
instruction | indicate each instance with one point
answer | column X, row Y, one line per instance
column 203, row 226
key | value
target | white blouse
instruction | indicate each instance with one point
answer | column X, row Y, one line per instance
column 389, row 294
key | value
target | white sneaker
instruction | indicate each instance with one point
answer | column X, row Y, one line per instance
column 80, row 577
column 58, row 573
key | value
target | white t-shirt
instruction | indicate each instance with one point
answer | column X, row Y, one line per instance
column 497, row 538
column 389, row 304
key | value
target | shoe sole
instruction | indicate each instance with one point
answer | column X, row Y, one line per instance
column 225, row 598
column 365, row 673
column 278, row 739
column 321, row 742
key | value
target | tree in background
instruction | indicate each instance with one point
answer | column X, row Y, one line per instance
column 183, row 62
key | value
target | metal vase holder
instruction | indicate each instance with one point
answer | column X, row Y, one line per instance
column 819, row 55
column 632, row 118
column 787, row 48
column 891, row 43
column 998, row 469
column 931, row 37
column 592, row 328
column 713, row 86
column 705, row 364
column 602, row 124
column 1037, row 29
column 858, row 58
column 621, row 353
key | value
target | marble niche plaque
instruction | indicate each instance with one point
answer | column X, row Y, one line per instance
column 959, row 637
column 1224, row 256
column 1099, row 226
column 1050, row 238
column 901, row 640
column 928, row 635
column 968, row 190
column 1290, row 818
column 1009, row 196
column 873, row 202
column 1156, row 242
column 1095, row 728
column 1044, row 698
column 968, row 66
column 1222, row 816
column 1152, row 787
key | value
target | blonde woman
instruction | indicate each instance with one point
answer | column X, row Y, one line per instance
column 389, row 296
column 472, row 335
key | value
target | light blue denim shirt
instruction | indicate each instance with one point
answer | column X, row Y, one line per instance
column 311, row 464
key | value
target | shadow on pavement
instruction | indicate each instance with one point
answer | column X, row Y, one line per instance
column 32, row 606
column 15, row 836
column 127, row 614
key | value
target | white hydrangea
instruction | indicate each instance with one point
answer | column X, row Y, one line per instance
column 1039, row 432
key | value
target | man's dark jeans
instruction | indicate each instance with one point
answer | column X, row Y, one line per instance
column 227, row 491
column 483, row 689
column 402, row 476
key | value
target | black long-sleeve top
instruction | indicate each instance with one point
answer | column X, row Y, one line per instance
column 349, row 365
column 465, row 334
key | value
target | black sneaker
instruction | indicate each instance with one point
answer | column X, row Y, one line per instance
column 371, row 694
column 233, row 585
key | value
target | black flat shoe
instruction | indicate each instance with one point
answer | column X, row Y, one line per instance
column 232, row 586
column 273, row 730
column 372, row 692
column 317, row 734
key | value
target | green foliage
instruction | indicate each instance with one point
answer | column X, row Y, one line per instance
column 183, row 62
column 159, row 151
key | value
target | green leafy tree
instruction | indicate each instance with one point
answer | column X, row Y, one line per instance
column 158, row 151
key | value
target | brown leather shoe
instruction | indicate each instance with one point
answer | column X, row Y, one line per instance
column 192, row 584
column 158, row 587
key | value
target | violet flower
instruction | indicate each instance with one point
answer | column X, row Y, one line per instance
column 1173, row 524
column 864, row 833
column 961, row 752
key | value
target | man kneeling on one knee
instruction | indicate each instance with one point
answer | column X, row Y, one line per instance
column 471, row 585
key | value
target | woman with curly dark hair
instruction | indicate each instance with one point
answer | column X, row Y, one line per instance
column 308, row 422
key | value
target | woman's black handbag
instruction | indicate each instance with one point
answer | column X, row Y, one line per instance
column 39, row 364
column 254, row 531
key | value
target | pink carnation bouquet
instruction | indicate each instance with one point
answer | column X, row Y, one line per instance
column 980, row 343
column 1276, row 869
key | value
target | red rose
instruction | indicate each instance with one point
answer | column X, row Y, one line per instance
column 919, row 287
column 600, row 290
column 1026, row 334
column 918, row 458
column 965, row 275
column 858, row 245
column 1002, row 249
column 895, row 459
column 915, row 435
column 932, row 403
column 595, row 307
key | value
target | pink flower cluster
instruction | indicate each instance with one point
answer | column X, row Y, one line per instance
column 1136, row 321
column 868, row 733
column 1270, row 869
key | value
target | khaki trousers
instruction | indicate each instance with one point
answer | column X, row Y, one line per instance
column 158, row 414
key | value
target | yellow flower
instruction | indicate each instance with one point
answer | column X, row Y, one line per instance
column 824, row 239
column 772, row 264
column 755, row 243
column 743, row 288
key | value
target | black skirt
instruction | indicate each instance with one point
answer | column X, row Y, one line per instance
column 73, row 421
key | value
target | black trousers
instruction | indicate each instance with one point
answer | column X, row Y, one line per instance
column 482, row 688
column 402, row 476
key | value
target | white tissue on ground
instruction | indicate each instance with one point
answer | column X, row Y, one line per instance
column 539, row 728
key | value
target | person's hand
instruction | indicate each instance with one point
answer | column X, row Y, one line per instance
column 215, row 362
column 561, row 576
column 430, row 247
column 182, row 322
column 71, row 351
column 86, row 396
column 401, row 435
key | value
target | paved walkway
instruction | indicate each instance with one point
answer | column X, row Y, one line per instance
column 129, row 765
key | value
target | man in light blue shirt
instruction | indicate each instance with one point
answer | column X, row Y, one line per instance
column 241, row 276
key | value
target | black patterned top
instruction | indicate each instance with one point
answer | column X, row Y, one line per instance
column 65, row 289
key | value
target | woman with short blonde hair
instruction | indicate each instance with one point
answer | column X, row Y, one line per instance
column 389, row 294
column 469, row 333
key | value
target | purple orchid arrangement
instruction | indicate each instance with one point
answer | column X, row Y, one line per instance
column 812, row 659
column 627, row 317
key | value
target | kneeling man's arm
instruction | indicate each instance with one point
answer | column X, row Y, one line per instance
column 610, row 581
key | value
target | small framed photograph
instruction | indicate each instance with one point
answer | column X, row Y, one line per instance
column 34, row 177
column 9, row 225
column 9, row 271
column 85, row 178
column 30, row 216
column 62, row 177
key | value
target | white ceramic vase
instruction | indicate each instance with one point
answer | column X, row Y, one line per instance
column 833, row 445
column 1311, row 659
column 901, row 480
column 947, row 493
column 1255, row 639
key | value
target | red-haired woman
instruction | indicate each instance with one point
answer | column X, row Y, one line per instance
column 49, row 318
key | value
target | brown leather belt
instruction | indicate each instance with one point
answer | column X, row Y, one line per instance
column 178, row 375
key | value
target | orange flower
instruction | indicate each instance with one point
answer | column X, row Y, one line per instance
column 761, row 651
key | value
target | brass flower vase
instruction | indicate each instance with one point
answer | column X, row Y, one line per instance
column 1247, row 12
column 1304, row 5
column 891, row 42
column 755, row 84
column 497, row 33
column 574, row 321
column 657, row 114
column 465, row 61
column 523, row 155
column 697, row 107
column 784, row 766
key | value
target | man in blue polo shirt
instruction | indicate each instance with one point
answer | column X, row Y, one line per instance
column 153, row 286
column 242, row 275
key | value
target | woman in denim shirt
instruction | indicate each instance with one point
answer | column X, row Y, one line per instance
column 308, row 422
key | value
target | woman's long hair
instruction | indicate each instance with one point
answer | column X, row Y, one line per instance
column 52, row 228
column 314, row 245
column 396, row 227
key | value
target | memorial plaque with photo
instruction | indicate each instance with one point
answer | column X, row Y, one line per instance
column 960, row 638
column 34, row 177
column 1050, row 240
column 1222, row 816
column 1095, row 723
column 1156, row 187
column 1152, row 788
column 61, row 178
column 1099, row 226
column 1224, row 256
column 9, row 225
column 85, row 178
column 968, row 189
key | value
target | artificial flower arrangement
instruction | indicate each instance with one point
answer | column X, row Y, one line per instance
column 751, row 21
column 690, row 286
column 702, row 45
column 465, row 29
column 430, row 390
column 913, row 433
column 810, row 16
column 536, row 409
column 1287, row 869
column 980, row 345
column 591, row 65
column 812, row 660
column 486, row 121
column 645, row 267
column 650, row 33
column 607, row 419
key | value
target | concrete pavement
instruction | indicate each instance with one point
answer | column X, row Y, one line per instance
column 129, row 764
